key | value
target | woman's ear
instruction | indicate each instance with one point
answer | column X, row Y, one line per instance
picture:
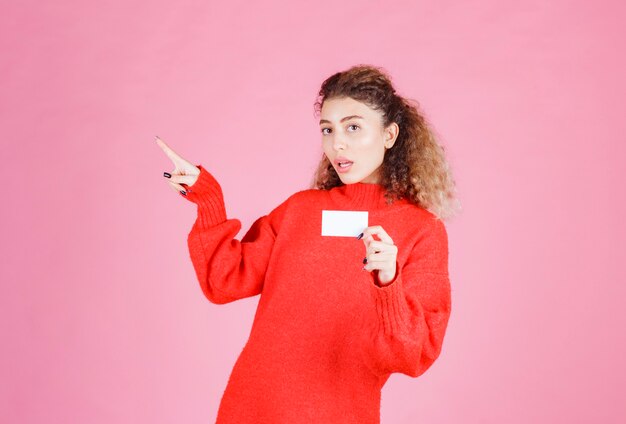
column 391, row 134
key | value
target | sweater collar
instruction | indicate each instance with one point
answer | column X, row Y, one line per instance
column 361, row 196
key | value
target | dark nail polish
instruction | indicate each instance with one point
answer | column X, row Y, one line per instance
column 364, row 260
column 167, row 175
column 359, row 237
column 183, row 192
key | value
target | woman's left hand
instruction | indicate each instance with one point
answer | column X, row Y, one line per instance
column 380, row 255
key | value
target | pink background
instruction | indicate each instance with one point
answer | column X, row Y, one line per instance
column 103, row 320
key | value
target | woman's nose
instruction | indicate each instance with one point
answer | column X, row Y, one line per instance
column 338, row 143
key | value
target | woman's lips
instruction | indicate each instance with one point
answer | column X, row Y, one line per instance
column 343, row 169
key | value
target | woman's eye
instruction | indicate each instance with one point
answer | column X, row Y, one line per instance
column 324, row 129
column 353, row 125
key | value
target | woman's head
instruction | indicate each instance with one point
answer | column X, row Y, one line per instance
column 364, row 120
column 352, row 131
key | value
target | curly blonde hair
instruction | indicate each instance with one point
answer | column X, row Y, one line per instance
column 415, row 167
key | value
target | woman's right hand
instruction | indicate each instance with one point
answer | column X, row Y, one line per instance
column 185, row 173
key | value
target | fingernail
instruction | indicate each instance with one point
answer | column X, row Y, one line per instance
column 167, row 175
column 364, row 260
column 359, row 237
column 183, row 192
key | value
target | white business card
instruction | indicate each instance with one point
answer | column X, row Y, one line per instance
column 343, row 223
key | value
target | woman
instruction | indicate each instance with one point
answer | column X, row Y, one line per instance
column 337, row 315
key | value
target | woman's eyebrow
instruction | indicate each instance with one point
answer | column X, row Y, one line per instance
column 322, row 121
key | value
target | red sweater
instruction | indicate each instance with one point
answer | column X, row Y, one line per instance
column 326, row 336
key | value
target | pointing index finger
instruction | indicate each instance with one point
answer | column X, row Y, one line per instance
column 167, row 149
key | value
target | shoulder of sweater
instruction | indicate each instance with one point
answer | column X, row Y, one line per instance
column 420, row 214
column 431, row 226
column 426, row 215
column 295, row 199
column 306, row 194
column 421, row 222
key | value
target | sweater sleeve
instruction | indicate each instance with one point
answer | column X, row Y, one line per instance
column 228, row 269
column 412, row 310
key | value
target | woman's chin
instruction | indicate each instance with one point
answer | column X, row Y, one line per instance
column 347, row 179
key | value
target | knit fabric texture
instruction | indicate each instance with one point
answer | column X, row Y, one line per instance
column 326, row 334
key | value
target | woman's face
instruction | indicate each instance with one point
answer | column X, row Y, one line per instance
column 352, row 131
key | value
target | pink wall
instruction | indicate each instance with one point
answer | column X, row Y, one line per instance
column 102, row 318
